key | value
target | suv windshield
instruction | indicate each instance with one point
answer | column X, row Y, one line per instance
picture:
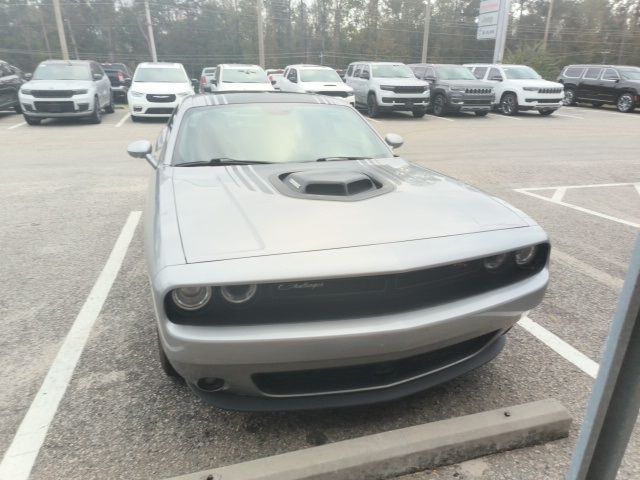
column 630, row 74
column 160, row 74
column 279, row 133
column 244, row 75
column 455, row 72
column 62, row 71
column 319, row 75
column 392, row 71
column 520, row 73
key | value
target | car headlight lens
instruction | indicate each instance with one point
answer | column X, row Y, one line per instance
column 80, row 92
column 495, row 262
column 136, row 94
column 191, row 298
column 238, row 294
column 530, row 89
column 456, row 89
column 388, row 88
column 25, row 91
column 525, row 256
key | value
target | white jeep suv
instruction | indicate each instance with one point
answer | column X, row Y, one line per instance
column 520, row 88
column 157, row 89
column 387, row 86
column 314, row 79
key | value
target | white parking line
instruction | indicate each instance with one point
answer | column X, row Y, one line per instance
column 598, row 275
column 568, row 116
column 19, row 458
column 441, row 118
column 122, row 120
column 559, row 346
column 16, row 125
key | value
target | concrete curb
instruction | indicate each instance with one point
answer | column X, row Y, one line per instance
column 407, row 450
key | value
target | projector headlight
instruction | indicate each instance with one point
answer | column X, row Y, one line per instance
column 25, row 91
column 495, row 262
column 80, row 92
column 526, row 256
column 238, row 294
column 191, row 298
column 530, row 89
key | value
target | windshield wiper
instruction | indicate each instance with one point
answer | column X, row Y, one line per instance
column 338, row 159
column 219, row 161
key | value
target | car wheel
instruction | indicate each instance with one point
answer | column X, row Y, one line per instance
column 418, row 112
column 372, row 106
column 625, row 103
column 110, row 108
column 18, row 108
column 596, row 104
column 96, row 116
column 569, row 97
column 545, row 113
column 439, row 105
column 167, row 368
column 32, row 121
column 509, row 104
column 481, row 114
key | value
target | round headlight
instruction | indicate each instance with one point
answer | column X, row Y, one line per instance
column 525, row 256
column 238, row 294
column 191, row 298
column 495, row 262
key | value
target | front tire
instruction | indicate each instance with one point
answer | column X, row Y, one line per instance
column 439, row 105
column 481, row 114
column 569, row 97
column 18, row 108
column 372, row 106
column 110, row 108
column 31, row 120
column 625, row 103
column 167, row 368
column 418, row 112
column 96, row 116
column 509, row 104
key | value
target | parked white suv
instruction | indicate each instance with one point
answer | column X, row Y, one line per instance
column 157, row 89
column 387, row 86
column 519, row 88
column 314, row 79
column 235, row 77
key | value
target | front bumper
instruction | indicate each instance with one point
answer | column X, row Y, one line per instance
column 473, row 103
column 141, row 107
column 68, row 107
column 239, row 354
column 533, row 101
column 391, row 101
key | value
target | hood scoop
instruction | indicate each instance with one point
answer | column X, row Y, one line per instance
column 344, row 185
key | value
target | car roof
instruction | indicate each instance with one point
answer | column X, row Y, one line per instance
column 160, row 64
column 67, row 62
column 244, row 97
column 239, row 65
column 598, row 65
column 434, row 65
column 377, row 63
column 308, row 65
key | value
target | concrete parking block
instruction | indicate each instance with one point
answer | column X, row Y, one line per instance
column 411, row 449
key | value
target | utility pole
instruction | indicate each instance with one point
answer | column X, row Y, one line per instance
column 152, row 40
column 501, row 32
column 73, row 40
column 546, row 28
column 259, row 9
column 63, row 41
column 44, row 32
column 425, row 36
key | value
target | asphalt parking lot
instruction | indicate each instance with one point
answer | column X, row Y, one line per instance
column 68, row 188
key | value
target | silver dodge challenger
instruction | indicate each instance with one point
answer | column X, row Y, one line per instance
column 295, row 262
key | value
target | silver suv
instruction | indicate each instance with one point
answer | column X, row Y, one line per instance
column 66, row 88
column 387, row 86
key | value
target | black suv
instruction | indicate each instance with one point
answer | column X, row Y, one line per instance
column 120, row 78
column 11, row 79
column 455, row 89
column 600, row 84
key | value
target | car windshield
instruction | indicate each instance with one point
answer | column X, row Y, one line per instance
column 160, row 74
column 630, row 74
column 62, row 71
column 244, row 75
column 454, row 72
column 520, row 73
column 207, row 71
column 279, row 133
column 319, row 75
column 392, row 71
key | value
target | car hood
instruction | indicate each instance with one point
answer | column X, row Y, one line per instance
column 161, row 87
column 326, row 86
column 537, row 83
column 246, row 87
column 227, row 212
column 58, row 84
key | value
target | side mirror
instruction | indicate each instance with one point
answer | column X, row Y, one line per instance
column 496, row 78
column 142, row 149
column 394, row 140
column 127, row 82
column 28, row 76
column 97, row 76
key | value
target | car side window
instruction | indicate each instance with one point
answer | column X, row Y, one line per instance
column 418, row 72
column 292, row 76
column 610, row 74
column 96, row 70
column 479, row 72
column 367, row 70
column 494, row 74
column 350, row 71
column 429, row 72
column 592, row 73
column 573, row 72
column 356, row 74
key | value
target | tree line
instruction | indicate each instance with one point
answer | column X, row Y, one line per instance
column 202, row 33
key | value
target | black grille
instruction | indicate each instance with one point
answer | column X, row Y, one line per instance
column 543, row 100
column 401, row 89
column 339, row 298
column 404, row 100
column 52, row 93
column 159, row 111
column 358, row 377
column 54, row 107
column 550, row 90
column 335, row 94
column 161, row 98
column 477, row 102
column 478, row 91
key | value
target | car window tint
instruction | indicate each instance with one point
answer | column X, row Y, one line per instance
column 429, row 72
column 279, row 133
column 367, row 69
column 160, row 74
column 494, row 72
column 244, row 75
column 592, row 73
column 610, row 74
column 479, row 72
column 95, row 69
column 357, row 72
column 418, row 71
column 62, row 71
column 573, row 72
column 292, row 76
column 350, row 71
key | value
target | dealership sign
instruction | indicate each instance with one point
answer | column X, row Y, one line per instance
column 488, row 19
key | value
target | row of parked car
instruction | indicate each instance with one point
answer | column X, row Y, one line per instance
column 84, row 88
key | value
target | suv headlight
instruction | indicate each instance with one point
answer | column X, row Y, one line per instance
column 136, row 94
column 80, row 91
column 530, row 89
column 388, row 88
column 456, row 89
column 25, row 91
column 191, row 298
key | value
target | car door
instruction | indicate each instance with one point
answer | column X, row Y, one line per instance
column 103, row 85
column 496, row 77
column 607, row 87
column 589, row 84
column 291, row 81
column 365, row 77
column 356, row 83
column 430, row 77
column 6, row 87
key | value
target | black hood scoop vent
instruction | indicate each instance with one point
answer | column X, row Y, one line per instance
column 323, row 184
